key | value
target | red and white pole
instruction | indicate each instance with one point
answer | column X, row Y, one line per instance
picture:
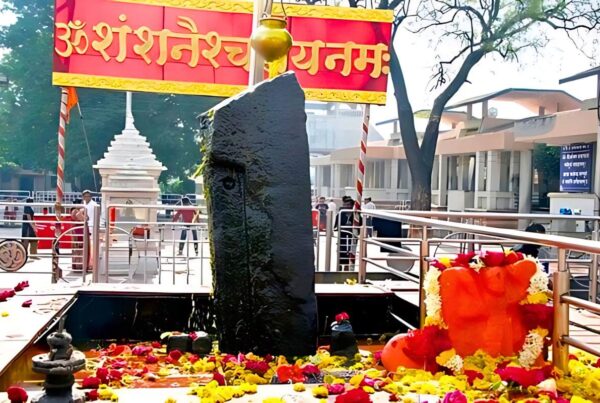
column 362, row 161
column 62, row 125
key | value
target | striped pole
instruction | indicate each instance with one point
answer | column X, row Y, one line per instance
column 362, row 160
column 62, row 124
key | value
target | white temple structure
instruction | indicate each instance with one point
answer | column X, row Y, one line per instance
column 130, row 173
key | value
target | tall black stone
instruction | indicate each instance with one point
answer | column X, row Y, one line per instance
column 257, row 186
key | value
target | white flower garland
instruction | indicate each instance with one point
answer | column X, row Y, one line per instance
column 532, row 348
column 539, row 281
column 455, row 364
column 477, row 264
column 433, row 299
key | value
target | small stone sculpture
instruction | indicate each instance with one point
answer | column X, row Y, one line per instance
column 59, row 365
column 343, row 340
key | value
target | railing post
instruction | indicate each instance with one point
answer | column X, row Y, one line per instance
column 328, row 238
column 424, row 266
column 339, row 239
column 560, row 350
column 107, row 241
column 594, row 270
column 318, row 242
column 96, row 244
column 362, row 253
column 86, row 250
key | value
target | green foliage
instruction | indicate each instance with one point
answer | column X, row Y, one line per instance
column 29, row 109
column 546, row 160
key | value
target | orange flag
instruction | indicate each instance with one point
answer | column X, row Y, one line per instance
column 72, row 100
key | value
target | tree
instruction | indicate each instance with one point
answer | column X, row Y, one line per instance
column 29, row 109
column 475, row 29
column 546, row 160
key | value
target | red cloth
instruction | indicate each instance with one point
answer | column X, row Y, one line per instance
column 188, row 215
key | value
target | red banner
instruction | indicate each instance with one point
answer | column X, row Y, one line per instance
column 202, row 47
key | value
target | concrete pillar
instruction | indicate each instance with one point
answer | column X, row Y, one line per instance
column 335, row 180
column 513, row 174
column 463, row 173
column 480, row 158
column 394, row 174
column 493, row 171
column 443, row 179
column 493, row 178
column 525, row 181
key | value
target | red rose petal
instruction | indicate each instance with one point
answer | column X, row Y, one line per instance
column 17, row 394
column 175, row 355
column 90, row 382
column 336, row 388
column 354, row 396
column 27, row 304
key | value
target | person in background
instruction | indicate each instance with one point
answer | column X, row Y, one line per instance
column 187, row 216
column 322, row 208
column 28, row 231
column 77, row 215
column 345, row 222
column 369, row 205
column 90, row 206
column 533, row 250
column 331, row 205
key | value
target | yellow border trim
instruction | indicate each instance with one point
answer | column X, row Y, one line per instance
column 138, row 84
column 292, row 10
column 217, row 90
column 350, row 96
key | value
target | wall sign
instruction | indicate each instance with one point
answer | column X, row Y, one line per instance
column 576, row 167
column 201, row 47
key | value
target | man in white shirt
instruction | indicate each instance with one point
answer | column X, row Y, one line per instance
column 90, row 206
column 369, row 205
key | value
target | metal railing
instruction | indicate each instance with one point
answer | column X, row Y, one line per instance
column 586, row 267
column 48, row 236
column 561, row 340
column 133, row 239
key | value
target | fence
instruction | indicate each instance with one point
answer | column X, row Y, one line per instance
column 134, row 240
column 28, row 237
column 130, row 243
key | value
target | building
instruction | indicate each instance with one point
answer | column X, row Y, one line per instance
column 334, row 126
column 484, row 151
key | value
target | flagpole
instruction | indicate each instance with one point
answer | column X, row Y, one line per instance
column 362, row 161
column 62, row 125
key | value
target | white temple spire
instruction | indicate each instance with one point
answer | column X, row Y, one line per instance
column 129, row 121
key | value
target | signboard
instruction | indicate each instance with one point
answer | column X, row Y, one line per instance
column 576, row 163
column 202, row 47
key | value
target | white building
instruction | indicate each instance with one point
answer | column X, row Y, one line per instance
column 484, row 152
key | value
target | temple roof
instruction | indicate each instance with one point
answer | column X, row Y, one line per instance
column 532, row 99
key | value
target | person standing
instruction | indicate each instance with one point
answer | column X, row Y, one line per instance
column 331, row 204
column 345, row 223
column 322, row 208
column 90, row 207
column 78, row 215
column 28, row 231
column 188, row 216
column 369, row 205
